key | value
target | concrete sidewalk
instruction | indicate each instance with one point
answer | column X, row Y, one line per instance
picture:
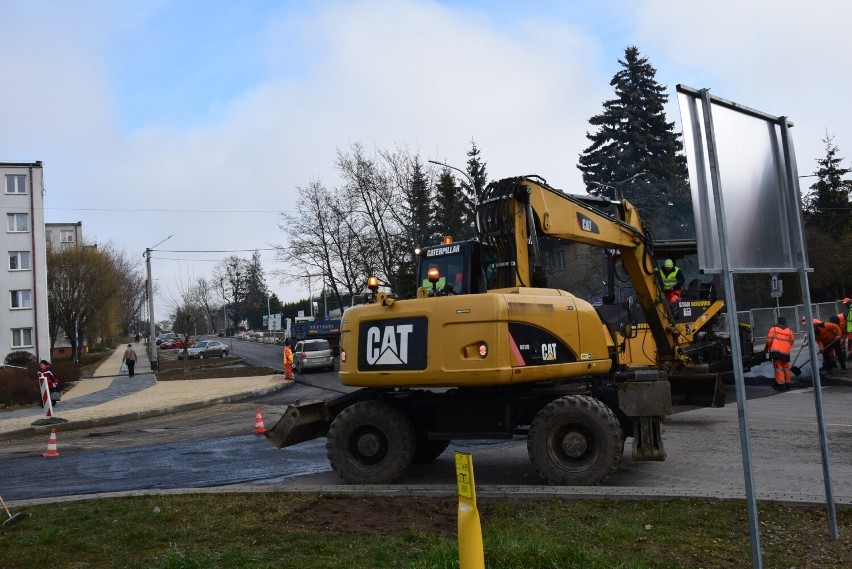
column 110, row 397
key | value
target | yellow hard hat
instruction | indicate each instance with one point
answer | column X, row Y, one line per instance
column 668, row 264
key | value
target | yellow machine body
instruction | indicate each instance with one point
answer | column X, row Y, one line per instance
column 507, row 336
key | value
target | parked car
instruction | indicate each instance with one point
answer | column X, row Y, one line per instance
column 312, row 354
column 206, row 349
column 165, row 336
column 175, row 343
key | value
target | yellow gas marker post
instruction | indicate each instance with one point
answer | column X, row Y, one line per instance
column 471, row 554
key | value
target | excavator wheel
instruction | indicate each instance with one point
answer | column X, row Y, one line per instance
column 575, row 441
column 371, row 442
column 428, row 450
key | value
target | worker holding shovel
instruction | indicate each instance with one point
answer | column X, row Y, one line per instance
column 828, row 338
column 779, row 343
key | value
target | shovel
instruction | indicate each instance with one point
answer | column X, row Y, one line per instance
column 797, row 371
column 12, row 519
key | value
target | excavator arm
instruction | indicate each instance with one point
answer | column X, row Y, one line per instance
column 514, row 211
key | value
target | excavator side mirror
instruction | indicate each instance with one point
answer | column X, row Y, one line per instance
column 627, row 331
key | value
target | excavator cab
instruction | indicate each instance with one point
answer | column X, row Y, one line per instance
column 454, row 268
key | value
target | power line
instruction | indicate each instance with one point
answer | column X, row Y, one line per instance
column 223, row 251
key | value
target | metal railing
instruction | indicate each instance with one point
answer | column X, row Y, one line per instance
column 762, row 319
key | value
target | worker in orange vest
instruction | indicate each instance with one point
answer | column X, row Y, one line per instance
column 288, row 360
column 779, row 343
column 828, row 337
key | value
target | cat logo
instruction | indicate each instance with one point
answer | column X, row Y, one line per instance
column 388, row 345
column 394, row 344
column 548, row 352
column 587, row 224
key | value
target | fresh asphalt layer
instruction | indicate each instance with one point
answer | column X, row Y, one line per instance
column 703, row 444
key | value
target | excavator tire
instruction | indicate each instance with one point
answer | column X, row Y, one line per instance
column 575, row 440
column 428, row 450
column 371, row 442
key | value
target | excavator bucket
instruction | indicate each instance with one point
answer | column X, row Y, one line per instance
column 699, row 389
column 300, row 422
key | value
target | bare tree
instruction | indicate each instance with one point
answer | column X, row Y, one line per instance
column 323, row 234
column 370, row 188
column 187, row 313
column 83, row 291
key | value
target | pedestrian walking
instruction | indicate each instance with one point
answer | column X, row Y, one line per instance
column 130, row 359
column 137, row 337
column 288, row 360
column 779, row 343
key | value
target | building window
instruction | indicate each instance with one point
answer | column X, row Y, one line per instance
column 16, row 184
column 16, row 222
column 22, row 299
column 19, row 260
column 66, row 236
column 22, row 337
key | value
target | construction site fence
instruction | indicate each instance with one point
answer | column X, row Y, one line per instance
column 762, row 319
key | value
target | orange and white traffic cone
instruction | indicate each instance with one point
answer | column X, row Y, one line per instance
column 51, row 445
column 259, row 429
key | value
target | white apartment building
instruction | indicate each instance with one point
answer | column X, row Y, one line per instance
column 23, row 279
column 63, row 234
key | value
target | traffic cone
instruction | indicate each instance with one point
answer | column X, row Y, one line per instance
column 51, row 444
column 259, row 429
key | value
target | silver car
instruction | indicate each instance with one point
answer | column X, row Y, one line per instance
column 312, row 354
column 205, row 349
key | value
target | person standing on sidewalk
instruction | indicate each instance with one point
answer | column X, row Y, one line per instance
column 779, row 343
column 288, row 360
column 130, row 359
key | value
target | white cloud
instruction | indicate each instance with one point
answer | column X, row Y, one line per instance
column 416, row 73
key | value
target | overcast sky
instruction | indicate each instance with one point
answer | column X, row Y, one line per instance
column 200, row 119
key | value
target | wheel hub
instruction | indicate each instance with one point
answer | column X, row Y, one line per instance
column 368, row 444
column 574, row 444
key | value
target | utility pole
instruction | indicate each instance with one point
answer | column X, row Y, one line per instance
column 152, row 342
column 152, row 339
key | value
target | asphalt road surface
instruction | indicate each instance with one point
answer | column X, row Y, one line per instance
column 215, row 447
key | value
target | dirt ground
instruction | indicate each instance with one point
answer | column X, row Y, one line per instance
column 369, row 516
column 171, row 370
column 794, row 536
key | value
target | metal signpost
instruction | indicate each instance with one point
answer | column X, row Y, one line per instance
column 742, row 168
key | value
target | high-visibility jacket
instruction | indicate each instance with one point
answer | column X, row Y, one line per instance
column 826, row 333
column 849, row 320
column 288, row 355
column 779, row 342
column 673, row 280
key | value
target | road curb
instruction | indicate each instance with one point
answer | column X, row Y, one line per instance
column 73, row 425
column 572, row 493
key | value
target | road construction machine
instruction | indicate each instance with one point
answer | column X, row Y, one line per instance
column 486, row 350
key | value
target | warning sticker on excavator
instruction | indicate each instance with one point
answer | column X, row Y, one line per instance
column 585, row 356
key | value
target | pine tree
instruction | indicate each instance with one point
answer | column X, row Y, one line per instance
column 636, row 154
column 828, row 221
column 473, row 195
column 420, row 212
column 449, row 214
column 827, row 206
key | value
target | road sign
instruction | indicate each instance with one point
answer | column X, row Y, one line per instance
column 776, row 286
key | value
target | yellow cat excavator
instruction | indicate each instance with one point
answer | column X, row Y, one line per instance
column 487, row 350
